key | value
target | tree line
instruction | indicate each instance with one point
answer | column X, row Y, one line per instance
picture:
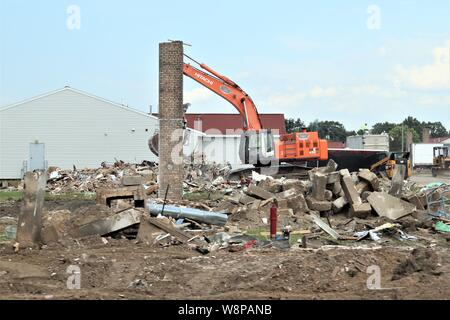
column 335, row 131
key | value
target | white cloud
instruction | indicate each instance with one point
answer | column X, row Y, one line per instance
column 289, row 99
column 197, row 95
column 319, row 92
column 435, row 76
column 432, row 101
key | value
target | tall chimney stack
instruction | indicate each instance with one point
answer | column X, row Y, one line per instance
column 426, row 135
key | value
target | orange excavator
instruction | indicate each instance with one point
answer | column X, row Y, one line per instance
column 257, row 145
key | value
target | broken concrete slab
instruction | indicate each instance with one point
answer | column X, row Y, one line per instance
column 30, row 219
column 303, row 186
column 104, row 196
column 131, row 181
column 333, row 177
column 350, row 191
column 115, row 222
column 362, row 186
column 328, row 195
column 397, row 181
column 330, row 167
column 55, row 225
column 362, row 210
column 417, row 200
column 355, row 178
column 370, row 177
column 147, row 232
column 166, row 226
column 259, row 193
column 386, row 205
column 246, row 199
column 337, row 188
column 271, row 185
column 255, row 205
column 318, row 205
column 344, row 173
column 339, row 204
column 319, row 181
column 298, row 204
column 285, row 213
column 291, row 193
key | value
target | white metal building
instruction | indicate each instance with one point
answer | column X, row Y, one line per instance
column 69, row 127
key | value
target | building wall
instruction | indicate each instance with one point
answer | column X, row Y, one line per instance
column 77, row 129
column 369, row 142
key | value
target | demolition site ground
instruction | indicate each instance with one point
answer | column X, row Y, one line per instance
column 116, row 267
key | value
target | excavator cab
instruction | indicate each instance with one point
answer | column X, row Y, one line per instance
column 257, row 147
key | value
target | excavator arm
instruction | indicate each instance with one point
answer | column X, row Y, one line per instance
column 228, row 90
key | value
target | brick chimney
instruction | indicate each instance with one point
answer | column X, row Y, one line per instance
column 426, row 135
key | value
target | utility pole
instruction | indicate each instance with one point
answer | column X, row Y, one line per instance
column 403, row 140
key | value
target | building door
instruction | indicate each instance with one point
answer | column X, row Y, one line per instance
column 37, row 156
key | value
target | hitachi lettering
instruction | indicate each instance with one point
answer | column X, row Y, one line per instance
column 203, row 78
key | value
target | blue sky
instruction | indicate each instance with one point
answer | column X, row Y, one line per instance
column 327, row 60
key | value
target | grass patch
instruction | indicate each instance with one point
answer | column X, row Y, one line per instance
column 261, row 234
column 258, row 232
column 70, row 196
column 203, row 195
column 10, row 196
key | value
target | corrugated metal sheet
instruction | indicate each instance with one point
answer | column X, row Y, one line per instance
column 369, row 142
column 77, row 129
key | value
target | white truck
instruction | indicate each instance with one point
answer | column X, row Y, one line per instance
column 422, row 154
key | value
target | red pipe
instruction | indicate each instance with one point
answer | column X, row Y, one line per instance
column 273, row 220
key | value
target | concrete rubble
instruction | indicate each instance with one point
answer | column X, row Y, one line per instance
column 128, row 207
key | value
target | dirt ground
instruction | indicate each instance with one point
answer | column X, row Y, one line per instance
column 125, row 269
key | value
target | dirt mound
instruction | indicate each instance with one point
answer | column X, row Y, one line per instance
column 421, row 260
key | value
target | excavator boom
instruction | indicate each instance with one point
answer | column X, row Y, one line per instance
column 228, row 90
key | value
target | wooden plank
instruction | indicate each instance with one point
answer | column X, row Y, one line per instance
column 180, row 235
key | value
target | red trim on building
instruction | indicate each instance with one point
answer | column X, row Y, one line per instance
column 223, row 121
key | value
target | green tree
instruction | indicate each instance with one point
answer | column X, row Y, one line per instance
column 294, row 125
column 437, row 129
column 395, row 135
column 331, row 130
column 379, row 128
column 414, row 124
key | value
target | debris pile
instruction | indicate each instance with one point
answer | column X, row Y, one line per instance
column 198, row 176
column 107, row 176
column 331, row 205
